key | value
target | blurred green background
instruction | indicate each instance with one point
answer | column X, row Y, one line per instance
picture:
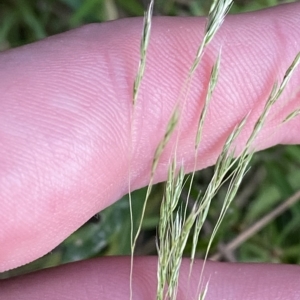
column 274, row 175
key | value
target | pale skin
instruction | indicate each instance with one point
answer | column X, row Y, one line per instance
column 68, row 147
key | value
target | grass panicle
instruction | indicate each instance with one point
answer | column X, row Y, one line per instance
column 175, row 223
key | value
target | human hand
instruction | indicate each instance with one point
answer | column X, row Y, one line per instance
column 67, row 147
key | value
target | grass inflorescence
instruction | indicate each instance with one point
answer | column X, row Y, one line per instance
column 175, row 224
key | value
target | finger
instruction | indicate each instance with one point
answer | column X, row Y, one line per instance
column 108, row 278
column 68, row 144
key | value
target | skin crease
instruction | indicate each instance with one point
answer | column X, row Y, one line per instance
column 68, row 145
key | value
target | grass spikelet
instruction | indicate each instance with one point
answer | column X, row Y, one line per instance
column 211, row 86
column 216, row 15
column 292, row 115
column 170, row 129
column 143, row 51
column 169, row 233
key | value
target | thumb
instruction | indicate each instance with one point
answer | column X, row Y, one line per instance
column 67, row 141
